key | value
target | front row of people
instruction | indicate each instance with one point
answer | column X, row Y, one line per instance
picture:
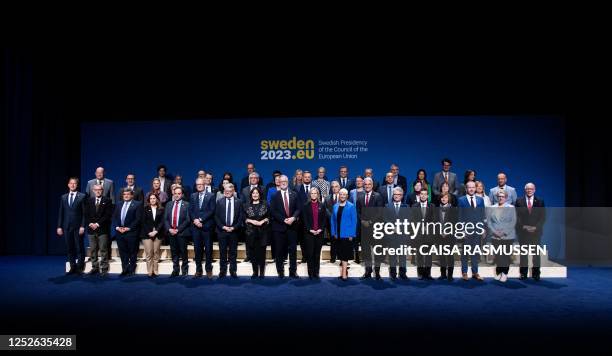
column 279, row 223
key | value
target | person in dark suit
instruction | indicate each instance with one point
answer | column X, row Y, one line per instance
column 201, row 175
column 471, row 210
column 98, row 215
column 202, row 211
column 229, row 216
column 367, row 201
column 423, row 211
column 330, row 201
column 369, row 173
column 130, row 180
column 531, row 215
column 257, row 226
column 152, row 233
column 178, row 181
column 445, row 213
column 398, row 180
column 303, row 194
column 208, row 185
column 344, row 180
column 413, row 197
column 127, row 219
column 71, row 224
column 165, row 181
column 176, row 223
column 445, row 188
column 252, row 183
column 386, row 190
column 285, row 213
column 108, row 185
column 314, row 218
column 246, row 180
column 394, row 211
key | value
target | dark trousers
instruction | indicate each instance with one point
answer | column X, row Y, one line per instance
column 178, row 248
column 502, row 262
column 128, row 251
column 447, row 262
column 535, row 270
column 98, row 245
column 202, row 243
column 423, row 260
column 312, row 252
column 286, row 243
column 256, row 248
column 300, row 238
column 228, row 245
column 396, row 261
column 75, row 248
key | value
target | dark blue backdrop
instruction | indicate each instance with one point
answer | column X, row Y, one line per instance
column 526, row 148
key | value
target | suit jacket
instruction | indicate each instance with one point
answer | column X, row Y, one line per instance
column 402, row 182
column 71, row 216
column 245, row 193
column 511, row 194
column 348, row 227
column 469, row 214
column 307, row 217
column 350, row 183
column 277, row 211
column 205, row 213
column 453, row 185
column 166, row 186
column 108, row 188
column 383, row 192
column 329, row 205
column 536, row 218
column 303, row 195
column 101, row 217
column 138, row 193
column 391, row 215
column 148, row 223
column 238, row 219
column 376, row 201
column 133, row 218
column 245, row 182
column 184, row 219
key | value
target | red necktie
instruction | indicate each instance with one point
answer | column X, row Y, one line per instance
column 286, row 203
column 529, row 205
column 367, row 200
column 175, row 215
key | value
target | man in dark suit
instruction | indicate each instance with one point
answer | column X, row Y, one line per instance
column 252, row 183
column 423, row 211
column 98, row 215
column 367, row 202
column 386, row 190
column 246, row 180
column 397, row 210
column 344, row 180
column 285, row 211
column 202, row 210
column 208, row 185
column 177, row 222
column 229, row 216
column 471, row 210
column 130, row 180
column 330, row 201
column 71, row 224
column 127, row 219
column 303, row 194
column 369, row 173
column 398, row 180
column 165, row 181
column 531, row 214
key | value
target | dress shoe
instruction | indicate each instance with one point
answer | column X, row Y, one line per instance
column 403, row 276
column 377, row 276
column 333, row 260
column 477, row 277
column 132, row 273
column 184, row 272
column 393, row 277
column 209, row 275
column 442, row 277
column 233, row 274
column 294, row 275
column 464, row 276
column 261, row 276
column 366, row 276
column 254, row 276
column 222, row 274
column 536, row 277
column 94, row 272
column 104, row 274
column 523, row 277
column 198, row 274
column 281, row 275
column 174, row 274
column 357, row 261
column 123, row 274
column 450, row 278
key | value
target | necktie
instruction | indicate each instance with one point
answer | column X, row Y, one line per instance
column 397, row 207
column 423, row 209
column 175, row 214
column 228, row 212
column 367, row 199
column 71, row 200
column 389, row 192
column 97, row 204
column 201, row 199
column 529, row 205
column 446, row 176
column 286, row 203
column 343, row 182
column 472, row 202
column 307, row 187
column 124, row 212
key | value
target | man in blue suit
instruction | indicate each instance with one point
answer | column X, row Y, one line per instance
column 71, row 224
column 202, row 210
column 177, row 222
column 344, row 180
column 229, row 217
column 127, row 219
column 471, row 209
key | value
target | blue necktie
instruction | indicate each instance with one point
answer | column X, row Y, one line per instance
column 123, row 213
column 228, row 216
column 201, row 199
column 389, row 193
column 71, row 200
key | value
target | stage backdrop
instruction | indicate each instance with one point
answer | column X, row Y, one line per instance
column 526, row 148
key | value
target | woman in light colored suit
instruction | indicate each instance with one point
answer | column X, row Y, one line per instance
column 344, row 230
column 152, row 228
column 501, row 221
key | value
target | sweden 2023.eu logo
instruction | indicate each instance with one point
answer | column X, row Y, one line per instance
column 287, row 149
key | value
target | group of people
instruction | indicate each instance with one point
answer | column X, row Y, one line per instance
column 305, row 210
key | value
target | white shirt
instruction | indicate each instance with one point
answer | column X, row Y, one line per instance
column 307, row 188
column 98, row 201
column 71, row 198
column 154, row 210
column 207, row 189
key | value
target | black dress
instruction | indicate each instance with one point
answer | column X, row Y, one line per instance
column 257, row 236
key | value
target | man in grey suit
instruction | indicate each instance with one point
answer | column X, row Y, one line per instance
column 501, row 185
column 445, row 176
column 245, row 194
column 108, row 187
